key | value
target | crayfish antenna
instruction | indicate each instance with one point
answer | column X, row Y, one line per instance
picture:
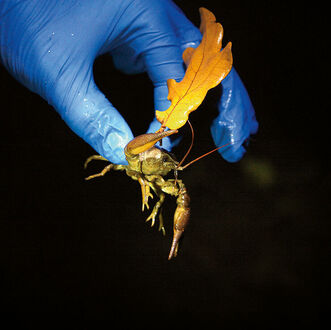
column 204, row 155
column 189, row 149
column 181, row 168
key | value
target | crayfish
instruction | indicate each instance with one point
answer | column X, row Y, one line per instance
column 148, row 165
column 207, row 66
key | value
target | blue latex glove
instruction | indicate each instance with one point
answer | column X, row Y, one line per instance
column 50, row 46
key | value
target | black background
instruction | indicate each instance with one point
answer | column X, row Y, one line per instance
column 257, row 248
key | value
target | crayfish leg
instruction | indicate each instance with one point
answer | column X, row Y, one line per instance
column 157, row 210
column 94, row 157
column 161, row 226
column 145, row 192
column 102, row 173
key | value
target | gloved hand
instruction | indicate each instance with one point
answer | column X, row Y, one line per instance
column 50, row 46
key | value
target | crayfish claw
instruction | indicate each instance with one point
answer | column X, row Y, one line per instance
column 181, row 219
column 174, row 244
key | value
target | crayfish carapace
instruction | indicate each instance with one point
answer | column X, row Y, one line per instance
column 148, row 165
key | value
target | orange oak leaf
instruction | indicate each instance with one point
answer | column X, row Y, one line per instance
column 206, row 65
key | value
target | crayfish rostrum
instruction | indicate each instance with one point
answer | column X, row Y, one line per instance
column 148, row 165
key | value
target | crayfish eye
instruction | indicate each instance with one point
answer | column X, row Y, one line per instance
column 166, row 159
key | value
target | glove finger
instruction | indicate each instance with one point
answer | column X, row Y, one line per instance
column 89, row 114
column 144, row 23
column 151, row 40
column 186, row 35
column 236, row 120
column 163, row 56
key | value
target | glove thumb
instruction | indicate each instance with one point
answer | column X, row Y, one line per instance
column 89, row 114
